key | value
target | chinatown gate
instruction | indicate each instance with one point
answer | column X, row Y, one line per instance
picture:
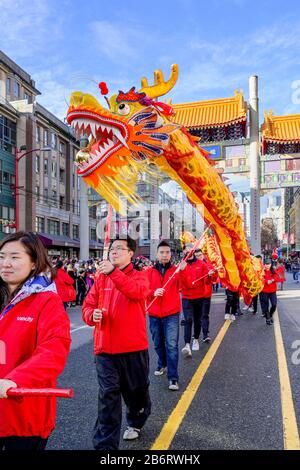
column 268, row 160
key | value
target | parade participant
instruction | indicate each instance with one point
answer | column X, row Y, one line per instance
column 36, row 332
column 268, row 293
column 164, row 313
column 281, row 272
column 192, row 300
column 208, row 283
column 64, row 284
column 120, row 345
column 232, row 304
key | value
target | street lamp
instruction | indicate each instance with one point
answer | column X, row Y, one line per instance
column 18, row 156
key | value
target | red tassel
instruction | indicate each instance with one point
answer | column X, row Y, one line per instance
column 103, row 88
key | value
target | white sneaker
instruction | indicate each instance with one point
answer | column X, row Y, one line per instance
column 160, row 371
column 195, row 345
column 186, row 351
column 251, row 309
column 131, row 433
column 227, row 316
column 232, row 317
column 173, row 385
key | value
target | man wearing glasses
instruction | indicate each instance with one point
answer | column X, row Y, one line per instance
column 115, row 305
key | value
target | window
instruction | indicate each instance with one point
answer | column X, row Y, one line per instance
column 37, row 163
column 62, row 147
column 46, row 137
column 8, row 85
column 61, row 175
column 37, row 192
column 17, row 89
column 65, row 229
column 26, row 96
column 54, row 197
column 93, row 211
column 73, row 180
column 53, row 227
column 46, row 194
column 61, row 202
column 37, row 133
column 54, row 141
column 54, row 169
column 93, row 234
column 46, row 166
column 75, row 231
column 40, row 224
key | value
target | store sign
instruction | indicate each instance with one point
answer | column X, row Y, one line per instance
column 214, row 150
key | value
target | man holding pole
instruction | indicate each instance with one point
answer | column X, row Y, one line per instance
column 115, row 305
column 164, row 279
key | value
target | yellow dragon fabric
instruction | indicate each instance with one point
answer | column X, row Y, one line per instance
column 134, row 134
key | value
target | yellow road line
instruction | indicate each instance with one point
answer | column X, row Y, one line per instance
column 163, row 441
column 289, row 421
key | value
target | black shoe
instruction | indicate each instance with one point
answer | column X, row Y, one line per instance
column 272, row 321
column 268, row 322
column 207, row 339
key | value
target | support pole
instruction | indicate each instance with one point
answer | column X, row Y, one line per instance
column 84, row 221
column 254, row 166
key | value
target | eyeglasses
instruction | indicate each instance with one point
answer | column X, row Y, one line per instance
column 118, row 248
column 198, row 251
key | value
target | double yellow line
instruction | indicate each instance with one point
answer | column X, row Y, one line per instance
column 290, row 428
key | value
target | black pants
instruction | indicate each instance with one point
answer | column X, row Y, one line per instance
column 204, row 319
column 254, row 303
column 232, row 302
column 265, row 298
column 15, row 443
column 121, row 375
column 192, row 311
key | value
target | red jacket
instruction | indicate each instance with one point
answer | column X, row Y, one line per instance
column 270, row 288
column 195, row 270
column 123, row 327
column 170, row 302
column 281, row 272
column 65, row 286
column 36, row 334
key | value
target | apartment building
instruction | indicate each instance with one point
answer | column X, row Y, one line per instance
column 48, row 192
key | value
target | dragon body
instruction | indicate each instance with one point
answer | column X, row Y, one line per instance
column 136, row 133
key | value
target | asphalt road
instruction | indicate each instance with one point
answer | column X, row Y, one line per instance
column 238, row 403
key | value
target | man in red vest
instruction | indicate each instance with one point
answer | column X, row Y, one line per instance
column 120, row 345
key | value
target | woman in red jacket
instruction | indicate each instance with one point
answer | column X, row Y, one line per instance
column 64, row 284
column 268, row 294
column 35, row 332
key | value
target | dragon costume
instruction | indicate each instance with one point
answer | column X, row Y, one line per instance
column 136, row 132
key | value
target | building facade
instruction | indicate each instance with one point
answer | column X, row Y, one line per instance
column 48, row 192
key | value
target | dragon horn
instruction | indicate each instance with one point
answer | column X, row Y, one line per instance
column 160, row 87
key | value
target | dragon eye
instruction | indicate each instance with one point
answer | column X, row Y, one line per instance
column 123, row 109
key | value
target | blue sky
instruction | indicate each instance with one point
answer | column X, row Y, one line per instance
column 67, row 45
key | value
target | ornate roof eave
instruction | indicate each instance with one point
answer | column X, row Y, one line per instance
column 212, row 113
column 281, row 129
column 218, row 126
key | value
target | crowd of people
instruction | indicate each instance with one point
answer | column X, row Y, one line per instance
column 115, row 295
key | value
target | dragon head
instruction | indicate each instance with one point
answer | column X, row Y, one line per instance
column 124, row 138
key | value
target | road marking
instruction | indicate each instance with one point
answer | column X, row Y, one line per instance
column 166, row 436
column 289, row 421
column 80, row 328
